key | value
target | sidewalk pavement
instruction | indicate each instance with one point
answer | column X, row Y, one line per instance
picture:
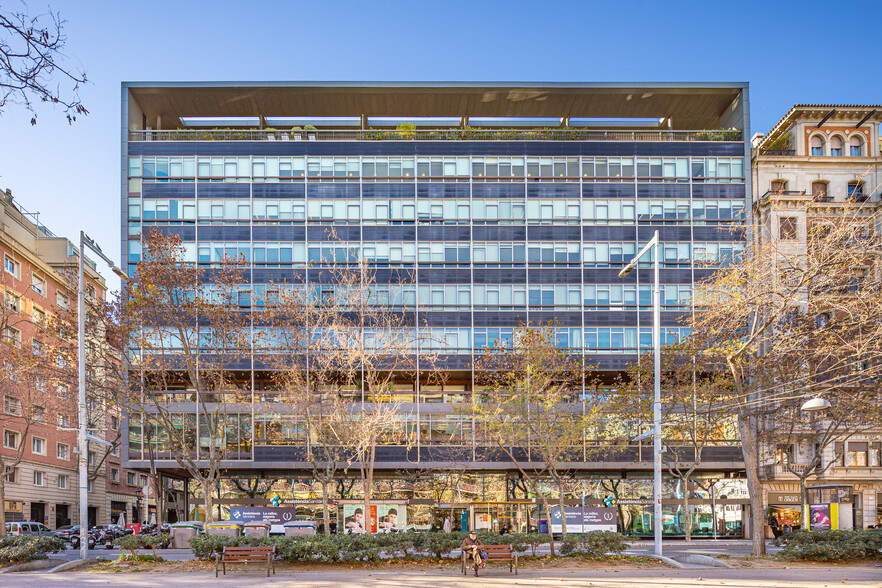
column 802, row 577
column 736, row 547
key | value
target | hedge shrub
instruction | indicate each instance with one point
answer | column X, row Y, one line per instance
column 134, row 542
column 838, row 545
column 353, row 548
column 16, row 549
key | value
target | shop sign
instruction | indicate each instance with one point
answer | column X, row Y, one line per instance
column 784, row 499
column 385, row 518
column 303, row 501
column 266, row 514
column 635, row 501
column 584, row 519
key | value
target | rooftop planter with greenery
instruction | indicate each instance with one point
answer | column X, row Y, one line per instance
column 409, row 132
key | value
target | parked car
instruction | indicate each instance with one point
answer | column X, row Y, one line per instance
column 29, row 528
column 68, row 531
column 64, row 531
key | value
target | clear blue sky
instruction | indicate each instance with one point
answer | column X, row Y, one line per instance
column 808, row 52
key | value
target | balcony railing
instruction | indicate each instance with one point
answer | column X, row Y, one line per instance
column 783, row 193
column 433, row 135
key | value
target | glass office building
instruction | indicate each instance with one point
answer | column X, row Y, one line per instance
column 507, row 203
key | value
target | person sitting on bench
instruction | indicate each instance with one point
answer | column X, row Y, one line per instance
column 472, row 548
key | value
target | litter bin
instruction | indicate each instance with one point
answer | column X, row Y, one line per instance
column 181, row 533
column 295, row 528
column 257, row 529
column 225, row 528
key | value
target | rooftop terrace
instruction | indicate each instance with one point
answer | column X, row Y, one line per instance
column 434, row 111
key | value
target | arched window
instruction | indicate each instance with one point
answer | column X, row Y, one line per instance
column 836, row 146
column 817, row 145
column 819, row 191
column 856, row 146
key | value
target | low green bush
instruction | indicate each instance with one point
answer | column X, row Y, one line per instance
column 838, row 545
column 139, row 558
column 16, row 549
column 441, row 544
column 597, row 543
column 129, row 542
column 353, row 548
column 569, row 545
column 135, row 542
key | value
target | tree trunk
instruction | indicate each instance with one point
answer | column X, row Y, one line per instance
column 548, row 519
column 453, row 501
column 563, row 512
column 368, row 479
column 157, row 488
column 325, row 514
column 803, row 502
column 749, row 450
column 367, row 482
column 207, row 488
column 686, row 511
column 2, row 501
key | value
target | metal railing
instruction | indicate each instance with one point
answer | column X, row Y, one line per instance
column 433, row 135
column 783, row 193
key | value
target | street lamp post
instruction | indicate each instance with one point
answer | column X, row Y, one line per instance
column 656, row 404
column 140, row 517
column 83, row 436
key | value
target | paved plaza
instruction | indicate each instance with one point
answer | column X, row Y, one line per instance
column 732, row 548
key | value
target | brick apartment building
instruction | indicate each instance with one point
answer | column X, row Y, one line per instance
column 39, row 404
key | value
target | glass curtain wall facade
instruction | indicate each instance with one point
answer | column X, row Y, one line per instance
column 497, row 230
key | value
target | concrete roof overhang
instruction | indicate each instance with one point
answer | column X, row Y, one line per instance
column 689, row 106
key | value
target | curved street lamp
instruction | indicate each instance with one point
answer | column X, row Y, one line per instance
column 816, row 404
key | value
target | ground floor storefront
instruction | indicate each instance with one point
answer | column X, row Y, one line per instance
column 840, row 504
column 718, row 505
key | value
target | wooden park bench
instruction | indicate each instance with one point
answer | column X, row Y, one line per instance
column 246, row 555
column 496, row 553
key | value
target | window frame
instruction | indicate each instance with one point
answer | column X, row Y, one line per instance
column 38, row 280
column 15, row 435
column 34, row 442
column 16, row 266
column 788, row 228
